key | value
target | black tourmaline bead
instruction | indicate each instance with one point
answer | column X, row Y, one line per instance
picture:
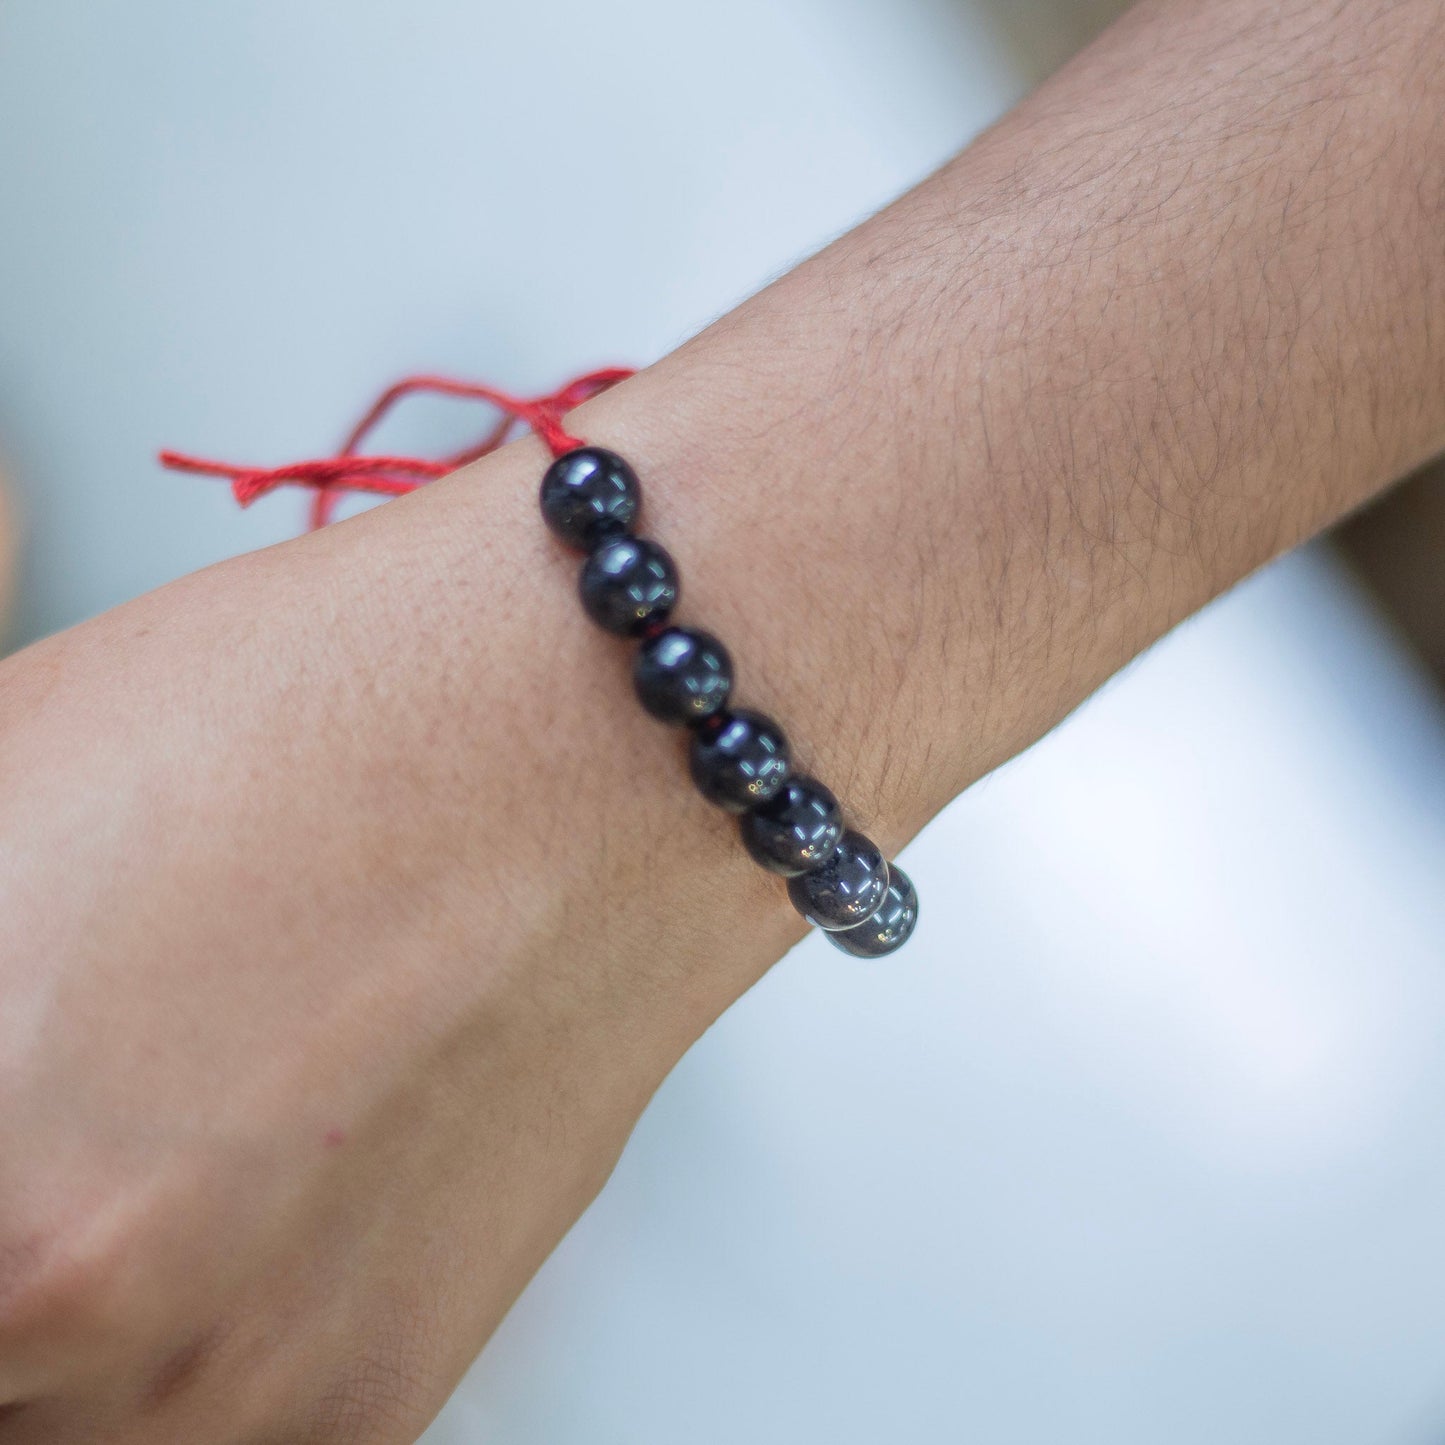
column 795, row 830
column 628, row 584
column 842, row 892
column 682, row 675
column 889, row 926
column 739, row 759
column 589, row 494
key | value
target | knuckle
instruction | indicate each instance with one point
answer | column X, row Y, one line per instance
column 40, row 1284
column 184, row 1370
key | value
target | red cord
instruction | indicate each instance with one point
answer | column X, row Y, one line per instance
column 351, row 471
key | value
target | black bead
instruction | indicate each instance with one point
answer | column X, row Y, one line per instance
column 739, row 759
column 889, row 926
column 589, row 494
column 845, row 890
column 795, row 830
column 682, row 675
column 628, row 584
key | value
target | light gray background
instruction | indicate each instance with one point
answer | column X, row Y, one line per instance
column 1142, row 1140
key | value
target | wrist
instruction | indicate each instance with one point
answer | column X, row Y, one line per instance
column 560, row 823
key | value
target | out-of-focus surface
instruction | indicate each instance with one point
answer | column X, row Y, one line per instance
column 1141, row 1140
column 227, row 226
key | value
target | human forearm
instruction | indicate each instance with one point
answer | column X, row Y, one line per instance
column 1177, row 312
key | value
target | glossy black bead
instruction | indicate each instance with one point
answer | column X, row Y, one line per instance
column 845, row 890
column 889, row 926
column 682, row 675
column 795, row 830
column 628, row 584
column 589, row 494
column 739, row 759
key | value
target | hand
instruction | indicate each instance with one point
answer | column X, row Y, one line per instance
column 324, row 1012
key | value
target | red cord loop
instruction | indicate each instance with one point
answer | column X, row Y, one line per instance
column 352, row 471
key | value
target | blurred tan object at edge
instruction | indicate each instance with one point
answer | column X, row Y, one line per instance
column 7, row 559
column 1043, row 34
column 1398, row 545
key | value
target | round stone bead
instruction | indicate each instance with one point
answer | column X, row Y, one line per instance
column 795, row 830
column 739, row 759
column 628, row 584
column 843, row 891
column 589, row 494
column 889, row 926
column 682, row 675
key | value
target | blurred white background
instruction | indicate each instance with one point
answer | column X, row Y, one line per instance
column 1141, row 1140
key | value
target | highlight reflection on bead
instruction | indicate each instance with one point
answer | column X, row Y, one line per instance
column 627, row 584
column 589, row 494
column 889, row 926
column 739, row 759
column 795, row 830
column 682, row 675
column 843, row 891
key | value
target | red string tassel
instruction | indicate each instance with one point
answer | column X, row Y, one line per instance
column 350, row 470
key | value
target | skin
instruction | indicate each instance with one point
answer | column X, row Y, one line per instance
column 353, row 909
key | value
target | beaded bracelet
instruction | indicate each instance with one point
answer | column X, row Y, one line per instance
column 790, row 824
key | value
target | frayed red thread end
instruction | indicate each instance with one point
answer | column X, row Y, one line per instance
column 391, row 476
